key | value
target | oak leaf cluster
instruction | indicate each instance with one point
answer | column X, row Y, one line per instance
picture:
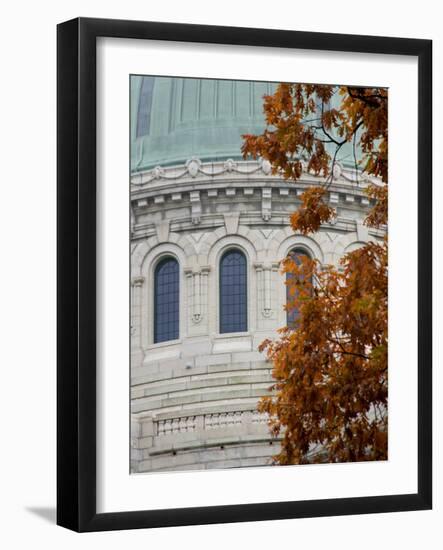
column 329, row 401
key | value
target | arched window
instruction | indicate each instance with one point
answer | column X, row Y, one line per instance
column 233, row 292
column 166, row 300
column 293, row 314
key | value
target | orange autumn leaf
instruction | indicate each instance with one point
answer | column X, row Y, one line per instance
column 330, row 393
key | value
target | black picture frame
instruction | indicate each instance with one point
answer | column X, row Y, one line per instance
column 76, row 265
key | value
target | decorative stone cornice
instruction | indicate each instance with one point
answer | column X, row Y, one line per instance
column 338, row 194
column 195, row 168
column 231, row 180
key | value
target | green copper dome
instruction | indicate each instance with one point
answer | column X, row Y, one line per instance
column 174, row 119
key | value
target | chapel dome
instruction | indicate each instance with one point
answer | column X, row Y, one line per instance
column 175, row 119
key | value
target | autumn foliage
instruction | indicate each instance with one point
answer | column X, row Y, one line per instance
column 329, row 399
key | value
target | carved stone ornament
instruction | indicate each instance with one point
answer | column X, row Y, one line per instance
column 230, row 165
column 158, row 172
column 193, row 166
column 337, row 170
column 266, row 166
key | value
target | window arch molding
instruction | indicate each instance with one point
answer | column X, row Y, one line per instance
column 148, row 268
column 218, row 249
column 354, row 245
column 302, row 243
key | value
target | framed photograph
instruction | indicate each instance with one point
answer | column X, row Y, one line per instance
column 244, row 303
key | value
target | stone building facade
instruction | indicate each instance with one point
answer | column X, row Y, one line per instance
column 197, row 209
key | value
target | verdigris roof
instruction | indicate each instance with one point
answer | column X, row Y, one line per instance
column 174, row 119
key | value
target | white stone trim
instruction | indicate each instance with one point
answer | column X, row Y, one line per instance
column 304, row 242
column 194, row 168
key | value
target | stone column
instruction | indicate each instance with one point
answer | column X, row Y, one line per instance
column 265, row 280
column 197, row 290
column 136, row 321
column 190, row 297
column 267, row 291
column 260, row 287
column 196, row 310
column 204, row 289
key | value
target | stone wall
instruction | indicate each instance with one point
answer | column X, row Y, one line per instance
column 193, row 400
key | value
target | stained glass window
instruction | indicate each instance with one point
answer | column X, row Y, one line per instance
column 144, row 106
column 233, row 292
column 166, row 301
column 293, row 314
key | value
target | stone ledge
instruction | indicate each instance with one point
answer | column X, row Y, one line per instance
column 146, row 374
column 239, row 441
column 169, row 386
column 191, row 397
